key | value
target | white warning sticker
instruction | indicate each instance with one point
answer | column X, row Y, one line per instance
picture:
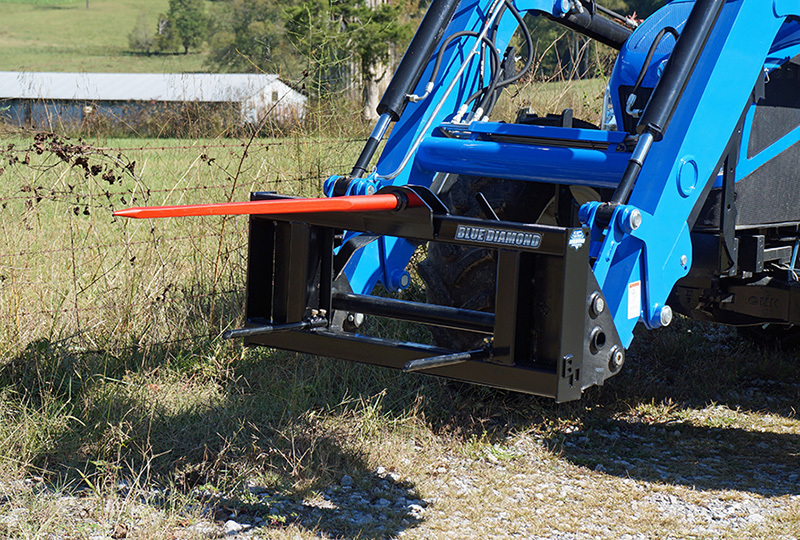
column 634, row 299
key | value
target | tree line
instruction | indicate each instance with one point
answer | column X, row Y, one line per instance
column 329, row 43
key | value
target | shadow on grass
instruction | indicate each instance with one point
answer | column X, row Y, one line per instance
column 252, row 442
column 704, row 458
column 676, row 415
column 280, row 437
column 673, row 415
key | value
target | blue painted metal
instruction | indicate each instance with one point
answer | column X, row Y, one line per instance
column 638, row 261
column 575, row 156
column 659, row 252
column 420, row 119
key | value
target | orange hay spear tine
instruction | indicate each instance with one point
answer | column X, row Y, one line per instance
column 353, row 203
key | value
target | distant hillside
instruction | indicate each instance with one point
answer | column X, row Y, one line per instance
column 63, row 35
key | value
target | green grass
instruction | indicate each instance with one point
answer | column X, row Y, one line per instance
column 121, row 406
column 113, row 374
column 584, row 97
column 53, row 35
column 116, row 280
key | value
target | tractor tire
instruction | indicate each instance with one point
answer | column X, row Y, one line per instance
column 462, row 276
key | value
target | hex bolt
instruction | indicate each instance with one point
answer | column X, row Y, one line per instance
column 354, row 320
column 629, row 219
column 662, row 317
column 597, row 304
column 635, row 219
column 684, row 260
column 616, row 358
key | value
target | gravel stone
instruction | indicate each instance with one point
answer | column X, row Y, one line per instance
column 204, row 529
column 233, row 527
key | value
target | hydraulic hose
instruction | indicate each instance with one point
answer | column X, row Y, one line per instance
column 666, row 95
column 659, row 110
column 430, row 33
column 594, row 26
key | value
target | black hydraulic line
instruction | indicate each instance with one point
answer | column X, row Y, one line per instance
column 664, row 100
column 430, row 33
column 448, row 317
column 486, row 41
column 492, row 94
column 447, row 360
column 360, row 168
column 594, row 26
column 526, row 33
column 614, row 15
column 653, row 46
column 274, row 328
column 659, row 110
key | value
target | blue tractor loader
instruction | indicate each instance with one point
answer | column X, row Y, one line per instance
column 549, row 239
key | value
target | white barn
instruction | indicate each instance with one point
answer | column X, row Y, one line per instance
column 46, row 100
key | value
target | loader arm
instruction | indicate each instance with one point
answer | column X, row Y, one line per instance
column 562, row 293
column 461, row 67
column 637, row 269
column 680, row 169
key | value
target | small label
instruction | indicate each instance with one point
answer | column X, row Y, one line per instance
column 634, row 299
column 501, row 237
column 577, row 239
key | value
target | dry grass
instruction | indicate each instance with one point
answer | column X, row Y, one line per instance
column 122, row 411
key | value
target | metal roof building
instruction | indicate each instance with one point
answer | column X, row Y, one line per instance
column 257, row 95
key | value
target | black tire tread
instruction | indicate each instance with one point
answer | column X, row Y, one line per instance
column 462, row 276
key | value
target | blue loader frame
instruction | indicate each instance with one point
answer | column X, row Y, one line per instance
column 311, row 277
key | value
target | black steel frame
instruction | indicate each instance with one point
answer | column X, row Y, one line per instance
column 546, row 337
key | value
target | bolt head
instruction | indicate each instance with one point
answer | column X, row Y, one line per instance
column 615, row 359
column 598, row 304
column 635, row 219
column 665, row 316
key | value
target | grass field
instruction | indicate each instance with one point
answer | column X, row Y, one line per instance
column 63, row 35
column 125, row 416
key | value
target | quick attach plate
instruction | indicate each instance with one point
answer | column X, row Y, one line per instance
column 550, row 334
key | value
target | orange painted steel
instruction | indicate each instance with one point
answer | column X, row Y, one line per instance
column 353, row 203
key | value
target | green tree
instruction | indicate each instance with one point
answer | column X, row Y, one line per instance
column 187, row 22
column 333, row 35
column 248, row 35
column 141, row 38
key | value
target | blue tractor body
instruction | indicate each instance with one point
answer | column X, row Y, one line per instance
column 687, row 201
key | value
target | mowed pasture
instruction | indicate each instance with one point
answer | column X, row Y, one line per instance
column 66, row 35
